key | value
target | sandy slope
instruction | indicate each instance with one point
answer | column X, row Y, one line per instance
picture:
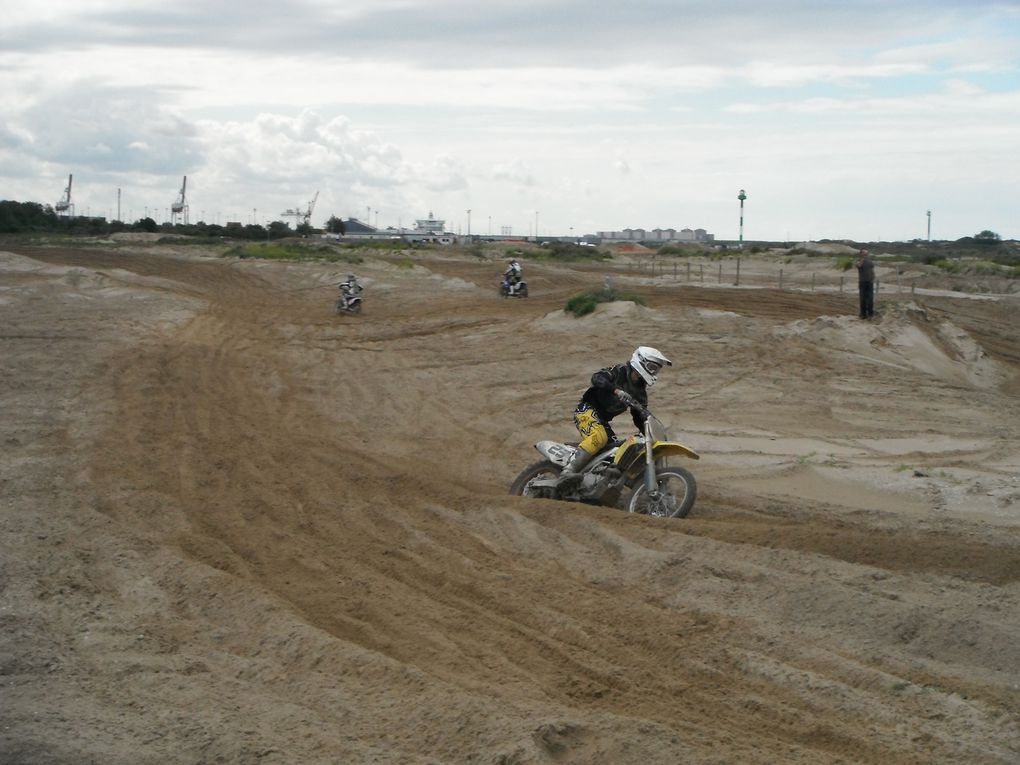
column 236, row 528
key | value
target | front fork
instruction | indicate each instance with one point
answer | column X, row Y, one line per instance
column 651, row 479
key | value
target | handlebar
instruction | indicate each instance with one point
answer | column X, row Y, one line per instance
column 632, row 402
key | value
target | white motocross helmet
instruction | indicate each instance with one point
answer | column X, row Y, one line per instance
column 647, row 362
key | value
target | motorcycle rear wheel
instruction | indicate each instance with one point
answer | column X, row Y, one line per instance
column 677, row 492
column 543, row 469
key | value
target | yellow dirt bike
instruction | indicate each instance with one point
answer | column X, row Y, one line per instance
column 624, row 465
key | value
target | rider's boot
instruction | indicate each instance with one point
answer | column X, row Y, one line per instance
column 571, row 474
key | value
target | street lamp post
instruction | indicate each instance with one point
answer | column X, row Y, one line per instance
column 741, row 196
column 469, row 223
column 929, row 225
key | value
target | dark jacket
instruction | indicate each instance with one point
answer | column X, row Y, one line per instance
column 865, row 270
column 606, row 405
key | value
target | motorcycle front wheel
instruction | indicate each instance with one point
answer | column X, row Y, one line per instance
column 544, row 469
column 674, row 498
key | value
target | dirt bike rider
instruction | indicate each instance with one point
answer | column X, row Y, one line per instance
column 349, row 288
column 613, row 390
column 513, row 275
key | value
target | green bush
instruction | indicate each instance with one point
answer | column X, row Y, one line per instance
column 844, row 262
column 585, row 303
column 579, row 305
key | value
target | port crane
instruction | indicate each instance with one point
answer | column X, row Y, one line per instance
column 65, row 206
column 180, row 207
column 303, row 215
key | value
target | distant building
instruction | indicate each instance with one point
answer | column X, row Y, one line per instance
column 429, row 226
column 657, row 235
column 354, row 227
column 428, row 230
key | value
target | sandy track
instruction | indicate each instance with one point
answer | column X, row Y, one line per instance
column 241, row 529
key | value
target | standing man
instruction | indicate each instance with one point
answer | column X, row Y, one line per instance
column 866, row 284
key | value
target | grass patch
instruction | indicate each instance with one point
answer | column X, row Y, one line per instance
column 288, row 252
column 375, row 244
column 190, row 241
column 585, row 303
column 563, row 252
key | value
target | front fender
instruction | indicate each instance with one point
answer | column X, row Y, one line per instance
column 671, row 449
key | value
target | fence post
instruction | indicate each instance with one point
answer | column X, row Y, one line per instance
column 701, row 268
column 913, row 285
column 674, row 270
column 688, row 271
column 780, row 278
column 841, row 284
column 720, row 273
column 737, row 283
column 812, row 281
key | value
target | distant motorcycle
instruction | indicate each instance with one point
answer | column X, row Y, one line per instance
column 624, row 465
column 348, row 301
column 506, row 289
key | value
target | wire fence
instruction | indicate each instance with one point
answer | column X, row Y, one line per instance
column 729, row 274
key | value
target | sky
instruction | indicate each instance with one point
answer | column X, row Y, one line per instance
column 860, row 119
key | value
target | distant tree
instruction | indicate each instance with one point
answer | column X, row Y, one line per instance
column 26, row 216
column 335, row 226
column 279, row 229
column 987, row 237
column 254, row 231
column 147, row 224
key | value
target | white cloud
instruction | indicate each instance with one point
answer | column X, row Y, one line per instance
column 514, row 172
column 597, row 114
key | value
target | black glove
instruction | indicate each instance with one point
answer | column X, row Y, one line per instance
column 626, row 398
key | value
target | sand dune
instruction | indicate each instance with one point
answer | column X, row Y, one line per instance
column 237, row 528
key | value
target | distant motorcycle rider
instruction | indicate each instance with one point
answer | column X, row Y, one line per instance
column 349, row 288
column 513, row 275
column 613, row 390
